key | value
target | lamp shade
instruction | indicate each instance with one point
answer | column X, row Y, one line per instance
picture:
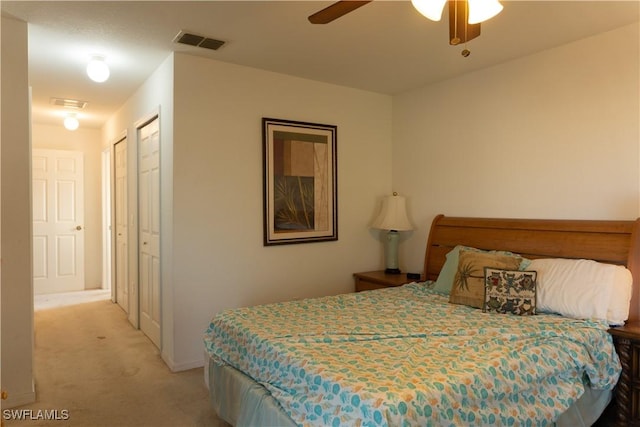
column 481, row 10
column 432, row 9
column 393, row 215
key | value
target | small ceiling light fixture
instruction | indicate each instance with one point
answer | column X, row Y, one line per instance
column 479, row 10
column 465, row 17
column 71, row 122
column 97, row 69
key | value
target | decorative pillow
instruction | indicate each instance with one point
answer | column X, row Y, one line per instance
column 444, row 283
column 583, row 289
column 468, row 284
column 509, row 291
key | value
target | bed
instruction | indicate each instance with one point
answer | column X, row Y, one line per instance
column 407, row 356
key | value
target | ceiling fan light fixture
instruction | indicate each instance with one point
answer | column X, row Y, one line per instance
column 482, row 10
column 432, row 9
column 97, row 69
column 71, row 122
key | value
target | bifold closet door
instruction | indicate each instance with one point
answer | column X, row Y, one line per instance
column 149, row 229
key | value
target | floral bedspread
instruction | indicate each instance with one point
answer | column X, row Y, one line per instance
column 405, row 356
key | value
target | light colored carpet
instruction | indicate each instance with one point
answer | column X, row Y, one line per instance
column 92, row 363
column 63, row 299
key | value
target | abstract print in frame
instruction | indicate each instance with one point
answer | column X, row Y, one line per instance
column 300, row 184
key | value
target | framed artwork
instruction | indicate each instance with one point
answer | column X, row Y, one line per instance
column 300, row 182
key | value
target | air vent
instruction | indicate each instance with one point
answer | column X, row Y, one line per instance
column 69, row 103
column 198, row 41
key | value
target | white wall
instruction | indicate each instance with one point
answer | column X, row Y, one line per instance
column 219, row 258
column 88, row 141
column 564, row 119
column 17, row 286
column 551, row 135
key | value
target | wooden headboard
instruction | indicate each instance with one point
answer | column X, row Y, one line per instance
column 613, row 242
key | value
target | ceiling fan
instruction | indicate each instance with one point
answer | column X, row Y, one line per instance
column 464, row 15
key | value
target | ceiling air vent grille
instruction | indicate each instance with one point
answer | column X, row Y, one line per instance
column 198, row 41
column 69, row 103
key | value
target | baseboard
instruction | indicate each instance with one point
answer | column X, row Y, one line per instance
column 177, row 367
column 14, row 400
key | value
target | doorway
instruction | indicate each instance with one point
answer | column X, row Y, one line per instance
column 58, row 221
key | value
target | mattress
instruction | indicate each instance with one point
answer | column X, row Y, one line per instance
column 406, row 356
column 242, row 402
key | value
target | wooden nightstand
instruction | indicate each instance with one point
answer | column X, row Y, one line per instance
column 627, row 393
column 371, row 280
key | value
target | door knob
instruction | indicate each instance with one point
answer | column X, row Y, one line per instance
column 79, row 227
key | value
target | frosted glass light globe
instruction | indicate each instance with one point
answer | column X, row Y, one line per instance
column 480, row 11
column 71, row 123
column 97, row 70
column 432, row 9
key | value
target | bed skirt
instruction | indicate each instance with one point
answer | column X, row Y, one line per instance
column 242, row 402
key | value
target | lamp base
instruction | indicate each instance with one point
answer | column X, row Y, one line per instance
column 391, row 253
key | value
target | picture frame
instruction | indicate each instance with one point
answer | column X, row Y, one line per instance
column 300, row 182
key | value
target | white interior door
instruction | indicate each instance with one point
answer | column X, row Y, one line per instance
column 58, row 217
column 122, row 228
column 149, row 229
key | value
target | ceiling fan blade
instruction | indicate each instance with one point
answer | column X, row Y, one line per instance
column 336, row 10
column 459, row 30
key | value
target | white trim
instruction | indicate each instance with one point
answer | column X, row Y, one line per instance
column 14, row 400
column 182, row 366
column 112, row 208
column 107, row 235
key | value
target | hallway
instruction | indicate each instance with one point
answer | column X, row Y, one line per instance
column 63, row 299
column 92, row 367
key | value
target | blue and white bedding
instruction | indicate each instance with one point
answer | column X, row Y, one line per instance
column 405, row 356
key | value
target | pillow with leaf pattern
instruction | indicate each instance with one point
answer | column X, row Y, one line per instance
column 468, row 284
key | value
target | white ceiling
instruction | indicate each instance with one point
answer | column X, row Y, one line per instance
column 385, row 46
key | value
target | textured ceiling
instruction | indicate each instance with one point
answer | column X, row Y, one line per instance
column 385, row 46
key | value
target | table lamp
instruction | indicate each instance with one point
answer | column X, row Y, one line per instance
column 392, row 217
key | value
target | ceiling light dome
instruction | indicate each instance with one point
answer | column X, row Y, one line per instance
column 97, row 70
column 71, row 122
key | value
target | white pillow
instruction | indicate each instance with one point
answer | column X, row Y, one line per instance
column 583, row 289
column 618, row 311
